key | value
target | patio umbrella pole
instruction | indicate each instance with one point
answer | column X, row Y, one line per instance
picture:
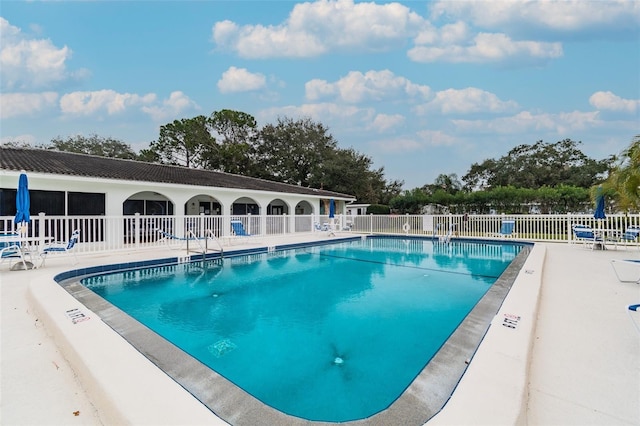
column 23, row 204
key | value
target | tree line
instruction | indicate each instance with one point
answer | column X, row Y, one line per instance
column 298, row 152
column 553, row 177
column 541, row 178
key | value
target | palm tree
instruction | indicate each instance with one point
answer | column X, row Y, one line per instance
column 624, row 179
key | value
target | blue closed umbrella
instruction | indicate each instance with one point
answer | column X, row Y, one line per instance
column 332, row 209
column 599, row 213
column 23, row 202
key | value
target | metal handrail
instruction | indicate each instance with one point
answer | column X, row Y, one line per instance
column 210, row 235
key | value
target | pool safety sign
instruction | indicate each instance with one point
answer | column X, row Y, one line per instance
column 76, row 315
column 511, row 321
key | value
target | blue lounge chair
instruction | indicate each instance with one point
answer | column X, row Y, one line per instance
column 506, row 229
column 586, row 235
column 237, row 229
column 61, row 247
column 631, row 235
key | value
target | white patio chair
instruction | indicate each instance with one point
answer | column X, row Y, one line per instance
column 12, row 252
column 626, row 270
column 61, row 247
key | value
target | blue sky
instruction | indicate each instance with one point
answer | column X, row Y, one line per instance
column 422, row 88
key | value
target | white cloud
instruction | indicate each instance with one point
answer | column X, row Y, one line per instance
column 466, row 101
column 485, row 47
column 240, row 80
column 319, row 89
column 109, row 101
column 454, row 33
column 513, row 31
column 558, row 16
column 611, row 102
column 384, row 122
column 21, row 104
column 171, row 108
column 421, row 142
column 398, row 145
column 319, row 112
column 225, row 32
column 357, row 87
column 525, row 122
column 436, row 138
column 30, row 63
column 344, row 117
column 526, row 32
column 314, row 28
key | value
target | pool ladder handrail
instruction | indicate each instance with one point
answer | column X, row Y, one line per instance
column 210, row 235
column 447, row 237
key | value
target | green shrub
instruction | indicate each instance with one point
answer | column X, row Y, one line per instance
column 378, row 209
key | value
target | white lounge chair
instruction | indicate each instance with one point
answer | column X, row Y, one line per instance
column 325, row 227
column 167, row 237
column 61, row 247
column 627, row 270
column 11, row 251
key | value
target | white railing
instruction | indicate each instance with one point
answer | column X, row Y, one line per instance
column 113, row 233
column 534, row 227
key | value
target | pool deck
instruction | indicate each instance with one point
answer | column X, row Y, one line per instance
column 572, row 358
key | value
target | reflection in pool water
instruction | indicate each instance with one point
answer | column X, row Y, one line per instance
column 331, row 333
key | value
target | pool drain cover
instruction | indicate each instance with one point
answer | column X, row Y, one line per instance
column 221, row 347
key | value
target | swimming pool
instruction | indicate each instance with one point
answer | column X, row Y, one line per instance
column 316, row 327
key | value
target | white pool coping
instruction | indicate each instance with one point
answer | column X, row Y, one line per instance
column 494, row 388
column 504, row 384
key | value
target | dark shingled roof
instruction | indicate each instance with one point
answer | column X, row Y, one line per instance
column 72, row 164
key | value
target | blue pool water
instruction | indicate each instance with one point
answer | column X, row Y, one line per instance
column 331, row 333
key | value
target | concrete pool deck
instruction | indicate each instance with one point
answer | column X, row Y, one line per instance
column 583, row 367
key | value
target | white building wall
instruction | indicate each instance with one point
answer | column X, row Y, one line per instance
column 118, row 191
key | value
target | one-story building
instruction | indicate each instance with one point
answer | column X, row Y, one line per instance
column 71, row 184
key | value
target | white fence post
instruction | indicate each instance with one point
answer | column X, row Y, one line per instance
column 41, row 229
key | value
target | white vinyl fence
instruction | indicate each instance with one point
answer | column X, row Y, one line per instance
column 113, row 233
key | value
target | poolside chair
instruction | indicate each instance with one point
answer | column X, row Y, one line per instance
column 586, row 235
column 167, row 237
column 627, row 270
column 61, row 247
column 506, row 229
column 631, row 235
column 237, row 229
column 11, row 251
column 325, row 227
column 634, row 314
